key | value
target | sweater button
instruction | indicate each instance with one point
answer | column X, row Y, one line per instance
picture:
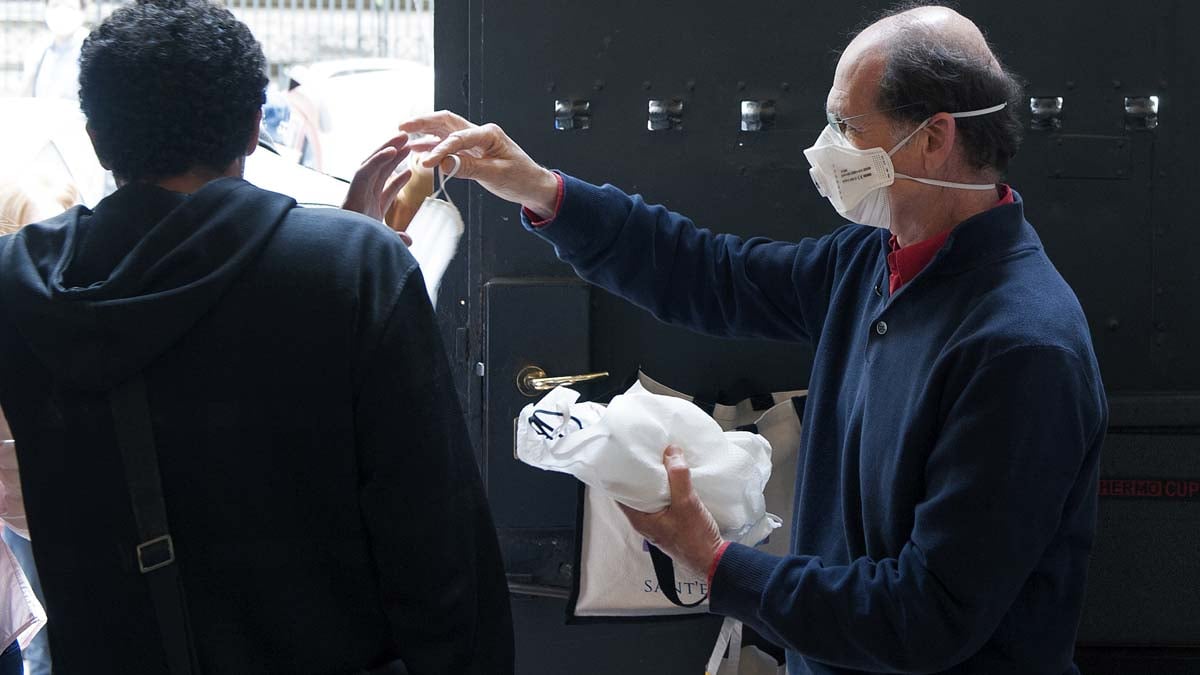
column 881, row 328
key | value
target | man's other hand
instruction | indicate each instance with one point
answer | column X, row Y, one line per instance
column 489, row 157
column 685, row 530
column 375, row 185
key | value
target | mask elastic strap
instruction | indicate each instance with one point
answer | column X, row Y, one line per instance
column 443, row 177
column 957, row 115
column 981, row 111
column 908, row 138
column 942, row 183
column 947, row 184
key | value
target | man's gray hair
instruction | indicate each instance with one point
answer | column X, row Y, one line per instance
column 927, row 74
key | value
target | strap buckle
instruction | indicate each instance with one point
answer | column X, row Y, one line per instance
column 156, row 553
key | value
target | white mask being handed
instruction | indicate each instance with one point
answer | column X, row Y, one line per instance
column 435, row 229
column 853, row 180
column 64, row 20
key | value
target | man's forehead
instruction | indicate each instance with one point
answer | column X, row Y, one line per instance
column 859, row 70
column 835, row 102
column 855, row 85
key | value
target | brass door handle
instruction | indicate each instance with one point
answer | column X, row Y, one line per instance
column 532, row 380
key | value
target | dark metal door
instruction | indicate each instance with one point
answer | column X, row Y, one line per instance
column 1111, row 192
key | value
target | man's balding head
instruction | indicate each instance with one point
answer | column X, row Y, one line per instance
column 950, row 28
column 919, row 60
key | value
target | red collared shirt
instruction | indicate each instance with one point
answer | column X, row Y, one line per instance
column 907, row 262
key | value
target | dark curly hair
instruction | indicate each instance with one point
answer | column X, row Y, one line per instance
column 169, row 86
column 926, row 74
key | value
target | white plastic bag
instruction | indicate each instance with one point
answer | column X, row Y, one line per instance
column 618, row 451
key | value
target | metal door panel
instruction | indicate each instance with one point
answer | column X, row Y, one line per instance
column 1121, row 227
column 1099, row 234
column 1176, row 219
column 712, row 369
column 542, row 322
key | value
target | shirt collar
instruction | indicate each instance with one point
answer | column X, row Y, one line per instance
column 905, row 263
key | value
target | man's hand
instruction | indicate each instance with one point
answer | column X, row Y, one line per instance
column 685, row 530
column 489, row 157
column 374, row 186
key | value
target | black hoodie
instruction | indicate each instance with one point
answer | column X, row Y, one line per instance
column 327, row 513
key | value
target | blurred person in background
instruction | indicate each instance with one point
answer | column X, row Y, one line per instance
column 33, row 199
column 52, row 64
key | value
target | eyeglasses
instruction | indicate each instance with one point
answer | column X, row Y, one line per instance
column 838, row 124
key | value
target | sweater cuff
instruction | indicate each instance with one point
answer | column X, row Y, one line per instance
column 740, row 579
column 529, row 215
column 581, row 219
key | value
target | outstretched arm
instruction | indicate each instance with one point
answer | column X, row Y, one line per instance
column 659, row 260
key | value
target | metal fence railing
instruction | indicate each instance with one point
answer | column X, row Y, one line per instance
column 291, row 31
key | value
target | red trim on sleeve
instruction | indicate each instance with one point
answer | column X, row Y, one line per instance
column 557, row 206
column 712, row 569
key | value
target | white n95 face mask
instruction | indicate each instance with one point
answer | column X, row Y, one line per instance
column 853, row 180
column 435, row 230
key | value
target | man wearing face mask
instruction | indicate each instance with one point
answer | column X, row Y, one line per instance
column 946, row 500
column 52, row 65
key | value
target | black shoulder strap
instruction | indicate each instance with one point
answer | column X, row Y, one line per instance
column 156, row 553
column 664, row 570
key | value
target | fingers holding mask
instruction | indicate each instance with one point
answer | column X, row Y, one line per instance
column 487, row 156
column 487, row 142
column 441, row 124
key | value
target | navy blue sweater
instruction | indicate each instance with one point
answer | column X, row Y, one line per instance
column 946, row 496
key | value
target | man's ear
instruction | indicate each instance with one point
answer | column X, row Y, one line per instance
column 938, row 147
column 252, row 142
column 92, row 135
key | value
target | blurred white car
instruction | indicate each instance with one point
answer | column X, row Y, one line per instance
column 341, row 111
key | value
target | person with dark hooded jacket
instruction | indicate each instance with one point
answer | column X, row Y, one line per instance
column 322, row 496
